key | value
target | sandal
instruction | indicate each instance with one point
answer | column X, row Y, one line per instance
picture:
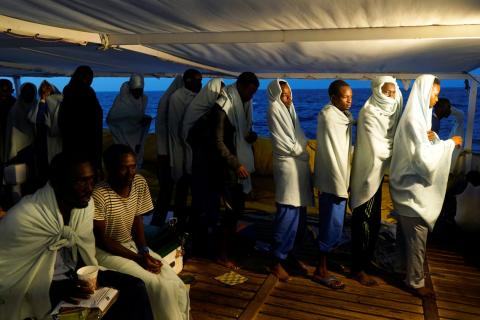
column 330, row 281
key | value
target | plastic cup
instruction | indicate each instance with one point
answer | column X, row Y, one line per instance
column 89, row 275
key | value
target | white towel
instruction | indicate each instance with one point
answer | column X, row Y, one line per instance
column 377, row 122
column 291, row 169
column 240, row 116
column 419, row 168
column 161, row 123
column 30, row 235
column 199, row 106
column 332, row 157
column 125, row 119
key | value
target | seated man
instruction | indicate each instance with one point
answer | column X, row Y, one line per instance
column 45, row 237
column 120, row 203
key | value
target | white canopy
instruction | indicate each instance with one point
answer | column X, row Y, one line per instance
column 302, row 38
column 274, row 38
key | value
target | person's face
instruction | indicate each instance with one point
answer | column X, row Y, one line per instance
column 444, row 111
column 45, row 90
column 5, row 91
column 389, row 89
column 28, row 93
column 137, row 93
column 344, row 99
column 80, row 189
column 286, row 96
column 125, row 172
column 434, row 95
column 87, row 79
column 195, row 83
column 246, row 91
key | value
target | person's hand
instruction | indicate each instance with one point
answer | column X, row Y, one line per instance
column 72, row 290
column 458, row 141
column 431, row 135
column 242, row 172
column 149, row 263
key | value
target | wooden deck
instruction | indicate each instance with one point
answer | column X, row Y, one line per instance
column 456, row 284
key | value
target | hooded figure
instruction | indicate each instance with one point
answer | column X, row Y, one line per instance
column 127, row 120
column 418, row 176
column 291, row 173
column 19, row 130
column 376, row 127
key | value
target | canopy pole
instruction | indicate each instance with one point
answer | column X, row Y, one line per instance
column 472, row 105
column 17, row 82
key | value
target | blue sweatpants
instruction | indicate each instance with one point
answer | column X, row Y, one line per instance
column 289, row 228
column 330, row 221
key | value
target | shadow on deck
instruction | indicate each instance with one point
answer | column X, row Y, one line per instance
column 455, row 281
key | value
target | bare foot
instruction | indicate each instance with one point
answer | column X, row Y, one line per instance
column 424, row 292
column 279, row 272
column 227, row 263
column 364, row 279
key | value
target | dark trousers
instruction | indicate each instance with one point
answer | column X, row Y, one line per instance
column 205, row 198
column 132, row 302
column 234, row 199
column 366, row 220
column 165, row 189
column 180, row 210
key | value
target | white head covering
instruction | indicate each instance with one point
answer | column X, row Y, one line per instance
column 419, row 169
column 162, row 119
column 136, row 81
column 377, row 122
column 201, row 104
column 291, row 170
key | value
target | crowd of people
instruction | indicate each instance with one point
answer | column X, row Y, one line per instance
column 85, row 206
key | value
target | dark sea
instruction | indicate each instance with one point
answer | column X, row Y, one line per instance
column 308, row 102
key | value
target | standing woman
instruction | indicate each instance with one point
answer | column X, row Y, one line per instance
column 291, row 173
column 418, row 177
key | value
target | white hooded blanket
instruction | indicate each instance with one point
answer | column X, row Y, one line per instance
column 54, row 137
column 291, row 169
column 126, row 120
column 419, row 168
column 240, row 116
column 200, row 105
column 332, row 157
column 161, row 123
column 177, row 107
column 30, row 235
column 19, row 130
column 377, row 122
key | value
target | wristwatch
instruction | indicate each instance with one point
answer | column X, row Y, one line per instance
column 143, row 250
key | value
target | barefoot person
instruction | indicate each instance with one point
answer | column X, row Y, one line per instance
column 418, row 177
column 376, row 127
column 291, row 173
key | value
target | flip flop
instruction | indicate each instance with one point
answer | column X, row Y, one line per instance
column 331, row 282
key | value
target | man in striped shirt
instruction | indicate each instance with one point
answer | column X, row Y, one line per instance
column 120, row 203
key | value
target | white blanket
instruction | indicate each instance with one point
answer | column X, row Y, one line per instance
column 161, row 123
column 199, row 106
column 332, row 157
column 54, row 137
column 240, row 116
column 291, row 169
column 177, row 106
column 377, row 122
column 125, row 120
column 419, row 168
column 19, row 132
column 30, row 236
